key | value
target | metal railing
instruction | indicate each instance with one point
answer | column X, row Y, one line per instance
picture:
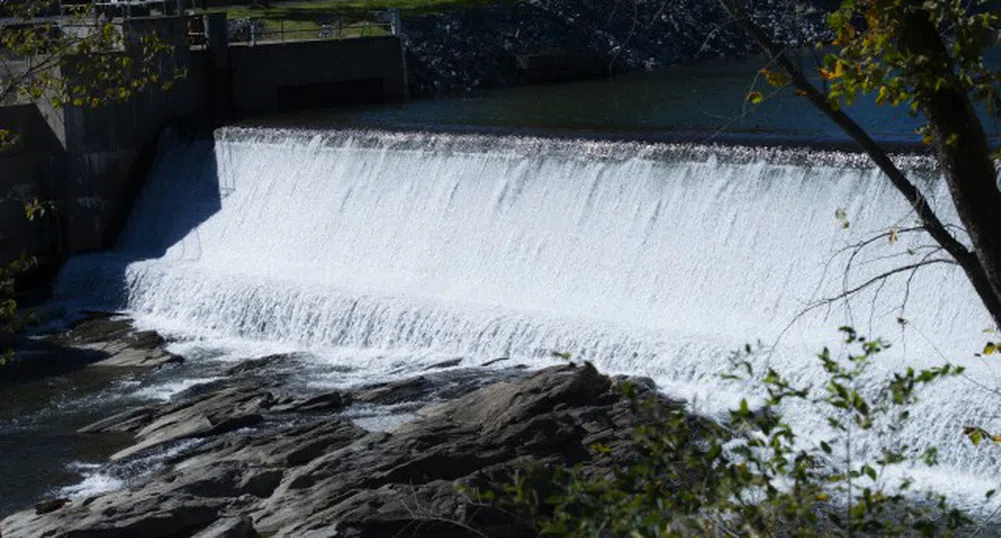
column 267, row 30
column 126, row 9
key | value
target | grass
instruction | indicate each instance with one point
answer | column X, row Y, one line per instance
column 304, row 19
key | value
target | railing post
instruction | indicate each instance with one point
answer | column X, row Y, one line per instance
column 395, row 21
column 253, row 32
column 282, row 26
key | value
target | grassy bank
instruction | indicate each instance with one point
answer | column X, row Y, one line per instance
column 342, row 18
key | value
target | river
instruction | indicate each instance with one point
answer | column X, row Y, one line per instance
column 603, row 219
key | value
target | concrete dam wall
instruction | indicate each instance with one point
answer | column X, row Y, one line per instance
column 89, row 162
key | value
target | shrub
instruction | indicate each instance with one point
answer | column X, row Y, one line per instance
column 755, row 475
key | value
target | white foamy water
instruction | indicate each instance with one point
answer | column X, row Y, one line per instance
column 165, row 391
column 94, row 482
column 98, row 479
column 373, row 249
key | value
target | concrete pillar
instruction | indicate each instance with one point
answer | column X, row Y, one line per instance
column 219, row 79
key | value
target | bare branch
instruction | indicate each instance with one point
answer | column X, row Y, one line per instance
column 887, row 274
column 820, row 100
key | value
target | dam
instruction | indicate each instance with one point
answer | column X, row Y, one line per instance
column 380, row 253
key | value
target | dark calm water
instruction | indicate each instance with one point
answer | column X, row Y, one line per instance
column 701, row 103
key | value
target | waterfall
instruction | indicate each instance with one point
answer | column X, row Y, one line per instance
column 647, row 259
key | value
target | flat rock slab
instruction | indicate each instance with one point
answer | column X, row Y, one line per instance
column 98, row 340
column 115, row 336
column 303, row 470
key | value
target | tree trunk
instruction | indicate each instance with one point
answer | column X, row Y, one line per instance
column 963, row 155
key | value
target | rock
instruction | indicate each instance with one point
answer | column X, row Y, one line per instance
column 552, row 416
column 287, row 447
column 393, row 393
column 509, row 43
column 331, row 401
column 444, row 364
column 50, row 505
column 440, row 385
column 126, row 422
column 217, row 413
column 255, row 365
column 304, row 471
column 122, row 514
column 96, row 340
column 115, row 336
column 495, row 361
column 229, row 527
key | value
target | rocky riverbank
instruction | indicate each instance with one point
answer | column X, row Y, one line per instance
column 257, row 461
column 510, row 43
column 95, row 340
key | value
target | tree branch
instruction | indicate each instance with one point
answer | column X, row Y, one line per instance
column 911, row 193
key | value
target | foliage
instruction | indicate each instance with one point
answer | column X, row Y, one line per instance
column 871, row 53
column 930, row 56
column 83, row 61
column 79, row 60
column 12, row 321
column 762, row 478
column 877, row 56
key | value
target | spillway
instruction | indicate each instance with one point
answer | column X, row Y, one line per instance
column 388, row 251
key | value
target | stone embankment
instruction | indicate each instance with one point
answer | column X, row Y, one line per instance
column 267, row 463
column 511, row 43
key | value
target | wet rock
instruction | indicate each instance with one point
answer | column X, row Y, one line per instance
column 96, row 340
column 217, row 413
column 50, row 505
column 304, row 471
column 229, row 527
column 126, row 422
column 263, row 363
column 394, row 393
column 445, row 364
column 116, row 337
column 331, row 401
column 495, row 361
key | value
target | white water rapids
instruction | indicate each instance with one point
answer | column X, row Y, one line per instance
column 376, row 250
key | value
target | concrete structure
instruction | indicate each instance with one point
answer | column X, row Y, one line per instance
column 91, row 162
column 28, row 169
column 309, row 74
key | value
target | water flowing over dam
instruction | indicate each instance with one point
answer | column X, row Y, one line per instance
column 385, row 252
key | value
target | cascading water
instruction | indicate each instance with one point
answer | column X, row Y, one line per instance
column 387, row 251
